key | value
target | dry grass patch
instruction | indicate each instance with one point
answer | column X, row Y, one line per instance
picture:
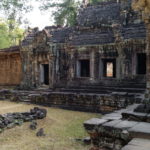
column 61, row 128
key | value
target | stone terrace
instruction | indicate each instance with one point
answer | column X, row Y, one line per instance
column 119, row 133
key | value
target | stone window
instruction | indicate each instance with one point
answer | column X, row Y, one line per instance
column 141, row 63
column 109, row 68
column 83, row 68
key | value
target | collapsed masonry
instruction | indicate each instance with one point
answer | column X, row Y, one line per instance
column 11, row 120
column 99, row 64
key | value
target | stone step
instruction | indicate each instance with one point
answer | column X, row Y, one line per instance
column 141, row 130
column 137, row 144
column 103, row 90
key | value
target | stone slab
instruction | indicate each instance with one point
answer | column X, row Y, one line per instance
column 141, row 130
column 111, row 124
column 112, row 116
column 134, row 116
column 124, row 125
column 134, row 147
column 94, row 122
column 132, row 107
column 137, row 144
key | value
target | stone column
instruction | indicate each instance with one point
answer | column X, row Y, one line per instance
column 147, row 95
column 92, row 65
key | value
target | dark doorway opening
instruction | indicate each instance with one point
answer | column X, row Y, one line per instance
column 141, row 63
column 109, row 68
column 46, row 74
column 84, row 68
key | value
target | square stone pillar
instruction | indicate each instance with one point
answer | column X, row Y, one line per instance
column 92, row 65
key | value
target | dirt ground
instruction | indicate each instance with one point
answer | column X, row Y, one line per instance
column 62, row 127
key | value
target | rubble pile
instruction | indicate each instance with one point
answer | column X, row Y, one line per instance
column 11, row 120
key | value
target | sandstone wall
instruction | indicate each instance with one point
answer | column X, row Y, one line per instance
column 10, row 67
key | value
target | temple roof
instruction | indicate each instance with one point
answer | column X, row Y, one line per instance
column 102, row 13
column 136, row 31
column 59, row 35
column 96, row 26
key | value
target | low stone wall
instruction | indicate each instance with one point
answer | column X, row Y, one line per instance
column 82, row 102
column 73, row 101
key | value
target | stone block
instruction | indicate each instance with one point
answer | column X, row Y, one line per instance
column 137, row 144
column 93, row 123
column 141, row 130
column 135, row 116
column 125, row 125
column 112, row 116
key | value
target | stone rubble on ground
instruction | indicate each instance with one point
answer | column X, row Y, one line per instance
column 11, row 120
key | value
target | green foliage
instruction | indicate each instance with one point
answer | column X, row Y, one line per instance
column 4, row 36
column 95, row 1
column 65, row 12
column 15, row 9
column 9, row 37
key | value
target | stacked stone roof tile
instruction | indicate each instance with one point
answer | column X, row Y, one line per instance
column 96, row 26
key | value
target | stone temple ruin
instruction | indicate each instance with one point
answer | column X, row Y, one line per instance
column 99, row 65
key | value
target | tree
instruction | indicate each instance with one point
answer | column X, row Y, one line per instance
column 15, row 9
column 4, row 36
column 65, row 12
column 9, row 38
column 95, row 1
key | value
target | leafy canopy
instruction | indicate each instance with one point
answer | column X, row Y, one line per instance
column 9, row 38
column 65, row 11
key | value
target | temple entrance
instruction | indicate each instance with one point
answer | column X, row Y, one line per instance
column 141, row 63
column 84, row 68
column 109, row 68
column 44, row 74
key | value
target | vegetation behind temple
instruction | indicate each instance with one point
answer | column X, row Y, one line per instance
column 65, row 12
column 10, row 33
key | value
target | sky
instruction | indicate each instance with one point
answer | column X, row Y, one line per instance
column 38, row 18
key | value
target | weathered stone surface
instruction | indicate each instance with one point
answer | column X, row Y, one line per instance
column 137, row 144
column 87, row 140
column 11, row 69
column 40, row 132
column 93, row 123
column 135, row 116
column 112, row 116
column 115, row 134
column 111, row 124
column 33, row 125
column 141, row 130
column 124, row 125
column 10, row 120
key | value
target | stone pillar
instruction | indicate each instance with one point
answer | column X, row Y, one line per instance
column 92, row 65
column 147, row 95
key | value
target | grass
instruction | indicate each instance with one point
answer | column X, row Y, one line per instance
column 61, row 128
